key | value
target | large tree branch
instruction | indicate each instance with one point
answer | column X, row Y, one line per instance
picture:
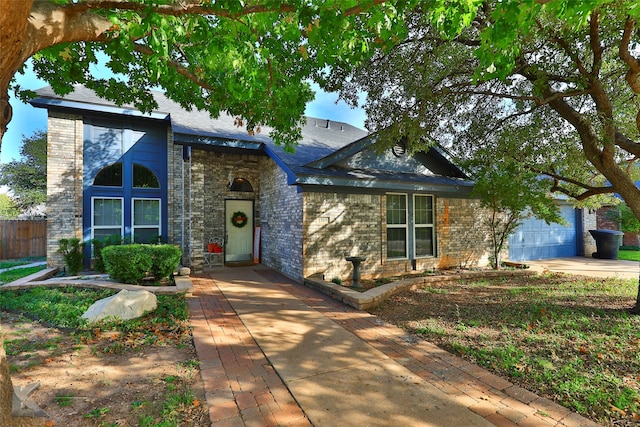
column 627, row 144
column 633, row 74
column 195, row 7
column 590, row 190
column 51, row 24
column 594, row 42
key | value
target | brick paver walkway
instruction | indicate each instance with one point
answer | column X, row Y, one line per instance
column 244, row 390
column 241, row 387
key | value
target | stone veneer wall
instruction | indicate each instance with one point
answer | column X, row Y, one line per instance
column 206, row 179
column 336, row 225
column 64, row 181
column 463, row 236
column 589, row 222
column 177, row 191
column 281, row 221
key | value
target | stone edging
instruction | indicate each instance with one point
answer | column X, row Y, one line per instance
column 44, row 278
column 374, row 296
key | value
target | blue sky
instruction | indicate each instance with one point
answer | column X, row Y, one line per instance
column 27, row 119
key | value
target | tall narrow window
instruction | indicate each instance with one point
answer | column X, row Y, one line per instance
column 396, row 225
column 146, row 220
column 423, row 225
column 107, row 217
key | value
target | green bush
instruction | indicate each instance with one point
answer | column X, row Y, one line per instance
column 99, row 245
column 164, row 260
column 132, row 263
column 127, row 263
column 72, row 253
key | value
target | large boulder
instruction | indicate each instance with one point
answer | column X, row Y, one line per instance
column 124, row 305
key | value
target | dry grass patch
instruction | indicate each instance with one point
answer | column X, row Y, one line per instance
column 571, row 339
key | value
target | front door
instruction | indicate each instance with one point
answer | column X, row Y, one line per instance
column 239, row 226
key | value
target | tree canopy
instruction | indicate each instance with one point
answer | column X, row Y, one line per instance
column 552, row 85
column 252, row 60
column 27, row 177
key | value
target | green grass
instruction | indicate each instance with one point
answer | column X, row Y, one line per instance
column 629, row 255
column 572, row 340
column 19, row 273
column 63, row 307
column 22, row 261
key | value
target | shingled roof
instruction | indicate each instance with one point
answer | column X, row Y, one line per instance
column 306, row 166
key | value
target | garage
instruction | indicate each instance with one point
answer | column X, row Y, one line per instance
column 535, row 239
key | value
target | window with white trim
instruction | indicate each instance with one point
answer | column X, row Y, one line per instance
column 397, row 226
column 146, row 224
column 423, row 241
column 108, row 217
column 414, row 238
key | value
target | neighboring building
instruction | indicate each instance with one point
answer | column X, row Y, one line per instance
column 184, row 177
column 606, row 221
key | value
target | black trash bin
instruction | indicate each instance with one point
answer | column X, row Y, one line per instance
column 607, row 243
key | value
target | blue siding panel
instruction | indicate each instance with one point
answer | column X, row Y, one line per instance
column 127, row 141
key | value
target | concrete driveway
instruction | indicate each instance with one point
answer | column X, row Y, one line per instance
column 587, row 266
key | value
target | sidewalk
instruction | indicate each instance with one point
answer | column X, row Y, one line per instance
column 276, row 353
column 32, row 264
column 588, row 266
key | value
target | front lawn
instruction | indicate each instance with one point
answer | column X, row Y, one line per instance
column 629, row 255
column 141, row 372
column 567, row 338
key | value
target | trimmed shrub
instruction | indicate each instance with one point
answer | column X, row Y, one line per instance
column 98, row 246
column 133, row 263
column 164, row 260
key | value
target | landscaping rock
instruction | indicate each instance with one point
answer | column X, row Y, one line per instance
column 124, row 305
column 184, row 271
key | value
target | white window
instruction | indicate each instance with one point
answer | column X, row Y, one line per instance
column 146, row 220
column 108, row 217
column 397, row 226
column 423, row 235
column 410, row 239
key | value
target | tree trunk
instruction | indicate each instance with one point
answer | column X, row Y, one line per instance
column 28, row 27
column 636, row 308
column 14, row 17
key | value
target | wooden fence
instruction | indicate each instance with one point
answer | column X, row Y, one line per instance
column 23, row 238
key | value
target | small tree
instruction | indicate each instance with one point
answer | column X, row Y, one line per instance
column 511, row 193
column 71, row 250
column 623, row 215
column 27, row 177
column 8, row 208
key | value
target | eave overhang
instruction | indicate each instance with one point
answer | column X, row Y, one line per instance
column 372, row 184
column 63, row 104
column 223, row 145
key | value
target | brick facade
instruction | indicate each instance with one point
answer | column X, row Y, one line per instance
column 64, row 182
column 336, row 225
column 606, row 222
column 200, row 187
column 589, row 222
column 281, row 220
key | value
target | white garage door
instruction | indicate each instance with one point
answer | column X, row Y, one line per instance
column 535, row 239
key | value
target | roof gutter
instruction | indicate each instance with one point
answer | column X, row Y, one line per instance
column 464, row 188
column 54, row 103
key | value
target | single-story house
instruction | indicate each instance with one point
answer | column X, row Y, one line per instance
column 186, row 179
